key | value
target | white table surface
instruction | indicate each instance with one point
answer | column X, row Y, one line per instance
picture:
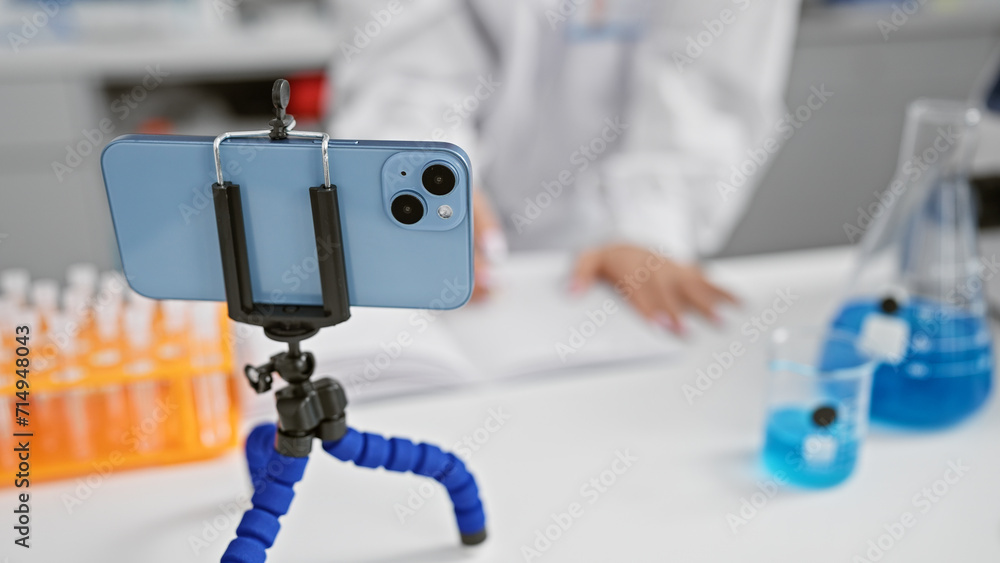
column 696, row 463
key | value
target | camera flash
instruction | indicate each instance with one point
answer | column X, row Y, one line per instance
column 444, row 212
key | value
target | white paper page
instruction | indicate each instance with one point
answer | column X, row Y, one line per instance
column 377, row 353
column 531, row 324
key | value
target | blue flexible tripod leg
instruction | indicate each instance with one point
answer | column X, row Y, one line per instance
column 399, row 454
column 274, row 474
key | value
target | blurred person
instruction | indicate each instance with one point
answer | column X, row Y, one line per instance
column 611, row 128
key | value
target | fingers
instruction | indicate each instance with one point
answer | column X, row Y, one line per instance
column 586, row 271
column 699, row 297
column 493, row 245
column 670, row 312
column 659, row 305
column 722, row 294
column 487, row 231
column 482, row 211
column 677, row 292
column 663, row 296
column 482, row 280
column 490, row 244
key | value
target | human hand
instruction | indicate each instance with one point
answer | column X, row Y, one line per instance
column 661, row 289
column 490, row 244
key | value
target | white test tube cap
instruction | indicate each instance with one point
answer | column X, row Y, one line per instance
column 175, row 315
column 27, row 317
column 7, row 308
column 45, row 295
column 139, row 327
column 59, row 331
column 140, row 301
column 83, row 277
column 106, row 316
column 112, row 287
column 75, row 301
column 15, row 282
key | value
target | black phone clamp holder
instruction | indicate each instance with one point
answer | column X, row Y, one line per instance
column 308, row 409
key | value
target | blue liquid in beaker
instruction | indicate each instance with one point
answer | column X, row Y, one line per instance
column 805, row 454
column 947, row 372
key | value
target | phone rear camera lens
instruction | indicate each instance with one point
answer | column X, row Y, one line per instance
column 439, row 179
column 407, row 209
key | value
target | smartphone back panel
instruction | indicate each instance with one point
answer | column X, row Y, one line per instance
column 160, row 193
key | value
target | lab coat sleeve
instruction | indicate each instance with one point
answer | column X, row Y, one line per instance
column 406, row 71
column 704, row 96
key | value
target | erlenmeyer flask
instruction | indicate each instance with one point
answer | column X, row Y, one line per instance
column 917, row 294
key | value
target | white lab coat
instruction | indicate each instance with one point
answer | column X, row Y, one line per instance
column 588, row 121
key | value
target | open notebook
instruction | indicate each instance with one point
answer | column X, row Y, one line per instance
column 530, row 325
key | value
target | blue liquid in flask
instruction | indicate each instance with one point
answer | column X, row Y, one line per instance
column 947, row 372
column 806, row 454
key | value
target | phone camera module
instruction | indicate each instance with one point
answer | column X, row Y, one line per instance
column 407, row 209
column 439, row 179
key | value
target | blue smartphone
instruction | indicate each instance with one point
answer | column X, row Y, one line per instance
column 405, row 210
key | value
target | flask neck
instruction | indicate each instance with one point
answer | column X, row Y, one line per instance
column 939, row 135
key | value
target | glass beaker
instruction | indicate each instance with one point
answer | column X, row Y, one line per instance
column 920, row 279
column 820, row 383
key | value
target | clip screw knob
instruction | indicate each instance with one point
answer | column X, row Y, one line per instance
column 282, row 123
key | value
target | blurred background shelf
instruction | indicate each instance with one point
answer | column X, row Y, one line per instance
column 848, row 149
column 250, row 51
column 216, row 55
column 836, row 22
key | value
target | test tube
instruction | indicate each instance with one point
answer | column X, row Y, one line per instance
column 6, row 420
column 82, row 277
column 25, row 316
column 142, row 394
column 6, row 413
column 141, row 303
column 219, row 385
column 77, row 309
column 81, row 286
column 175, row 321
column 45, row 297
column 211, row 386
column 78, row 299
column 7, row 309
column 14, row 283
column 105, row 355
column 112, row 290
column 107, row 348
column 73, row 400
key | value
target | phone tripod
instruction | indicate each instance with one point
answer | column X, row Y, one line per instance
column 308, row 409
